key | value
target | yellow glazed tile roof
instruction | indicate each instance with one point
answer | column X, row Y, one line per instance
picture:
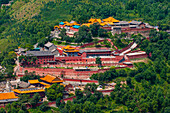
column 68, row 47
column 45, row 84
column 9, row 95
column 51, row 79
column 28, row 90
column 56, row 26
column 62, row 84
column 99, row 20
column 57, row 81
column 95, row 20
column 72, row 51
column 48, row 78
column 91, row 20
column 33, row 81
column 110, row 19
column 87, row 24
column 130, row 21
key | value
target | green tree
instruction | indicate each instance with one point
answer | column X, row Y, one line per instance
column 58, row 102
column 98, row 61
column 55, row 91
column 35, row 99
column 102, row 33
column 90, row 87
column 44, row 106
column 62, row 34
column 94, row 29
column 2, row 110
column 79, row 94
column 129, row 83
column 83, row 35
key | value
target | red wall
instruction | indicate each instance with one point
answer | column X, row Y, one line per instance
column 136, row 29
column 42, row 59
column 68, row 73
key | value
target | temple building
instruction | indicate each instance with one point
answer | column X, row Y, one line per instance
column 43, row 57
column 52, row 48
column 8, row 97
column 70, row 51
column 49, row 79
column 110, row 19
column 37, row 83
column 30, row 91
column 94, row 20
column 95, row 53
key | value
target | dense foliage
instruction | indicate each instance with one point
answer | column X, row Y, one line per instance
column 155, row 12
column 55, row 92
column 148, row 84
column 19, row 33
column 29, row 76
column 142, row 98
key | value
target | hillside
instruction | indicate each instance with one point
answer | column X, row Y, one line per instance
column 27, row 22
column 52, row 10
column 155, row 12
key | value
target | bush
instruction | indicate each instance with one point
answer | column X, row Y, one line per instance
column 44, row 106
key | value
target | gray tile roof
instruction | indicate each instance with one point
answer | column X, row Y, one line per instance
column 136, row 22
column 122, row 23
column 39, row 53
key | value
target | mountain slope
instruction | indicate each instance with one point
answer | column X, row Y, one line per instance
column 24, row 20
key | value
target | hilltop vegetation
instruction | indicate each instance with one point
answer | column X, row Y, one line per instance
column 28, row 19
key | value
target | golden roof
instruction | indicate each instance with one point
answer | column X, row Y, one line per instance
column 45, row 84
column 103, row 24
column 30, row 90
column 33, row 81
column 9, row 95
column 71, row 51
column 68, row 47
column 56, row 26
column 51, row 79
column 130, row 21
column 62, row 84
column 99, row 20
column 65, row 22
column 110, row 19
column 91, row 20
column 68, row 24
column 95, row 20
column 87, row 24
column 48, row 86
